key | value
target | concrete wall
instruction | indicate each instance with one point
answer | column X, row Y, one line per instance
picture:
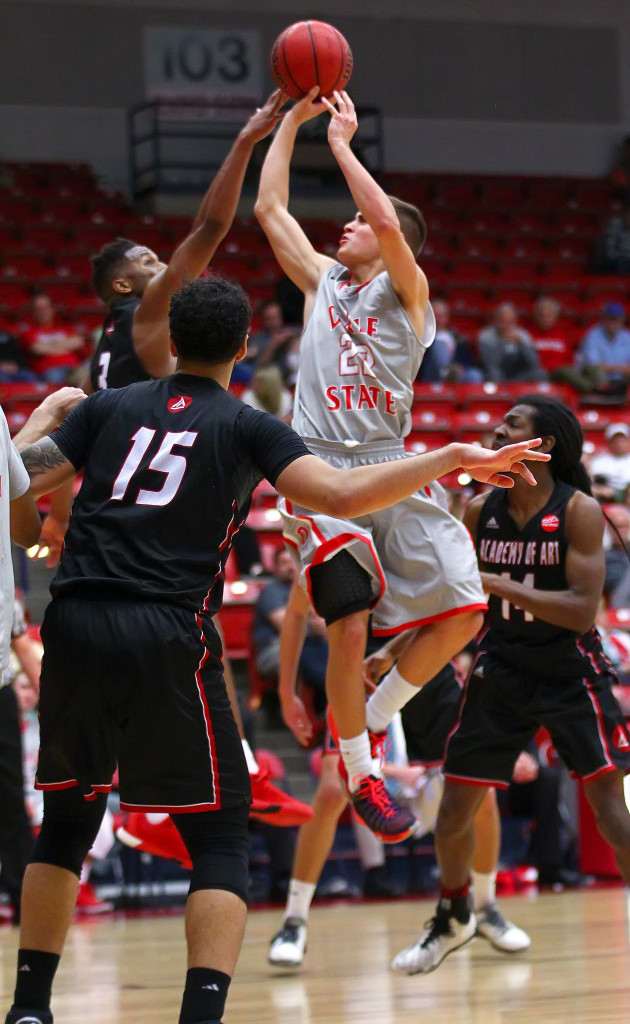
column 532, row 86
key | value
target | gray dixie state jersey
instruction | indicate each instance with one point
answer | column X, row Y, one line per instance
column 359, row 357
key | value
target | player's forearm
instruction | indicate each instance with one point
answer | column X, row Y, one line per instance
column 369, row 197
column 366, row 489
column 564, row 608
column 291, row 644
column 273, row 189
column 219, row 205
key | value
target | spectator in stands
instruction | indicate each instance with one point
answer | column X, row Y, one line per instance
column 53, row 349
column 615, row 537
column 551, row 340
column 612, row 254
column 276, row 342
column 506, row 350
column 542, row 790
column 610, row 471
column 268, row 617
column 604, row 354
column 449, row 358
column 267, row 393
column 13, row 367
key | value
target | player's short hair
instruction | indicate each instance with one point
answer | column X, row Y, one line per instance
column 554, row 419
column 108, row 264
column 412, row 224
column 208, row 319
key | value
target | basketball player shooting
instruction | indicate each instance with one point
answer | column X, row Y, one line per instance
column 368, row 322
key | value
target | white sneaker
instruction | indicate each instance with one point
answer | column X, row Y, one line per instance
column 502, row 934
column 443, row 934
column 288, row 946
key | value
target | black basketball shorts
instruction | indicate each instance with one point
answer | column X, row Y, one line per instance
column 502, row 710
column 139, row 685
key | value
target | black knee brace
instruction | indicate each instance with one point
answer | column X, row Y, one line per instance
column 340, row 587
column 69, row 829
column 218, row 844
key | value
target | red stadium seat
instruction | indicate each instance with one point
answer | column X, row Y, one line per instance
column 529, row 223
column 525, row 248
column 503, row 193
column 434, row 394
column 457, row 193
column 487, row 222
column 472, row 426
column 480, row 247
column 236, row 616
column 547, row 193
column 420, row 441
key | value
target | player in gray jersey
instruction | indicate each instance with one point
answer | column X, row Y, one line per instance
column 368, row 322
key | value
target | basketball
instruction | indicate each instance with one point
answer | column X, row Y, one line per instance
column 311, row 53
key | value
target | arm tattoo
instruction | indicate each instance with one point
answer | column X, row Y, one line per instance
column 39, row 458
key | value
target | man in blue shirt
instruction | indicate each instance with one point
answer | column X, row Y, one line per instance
column 606, row 346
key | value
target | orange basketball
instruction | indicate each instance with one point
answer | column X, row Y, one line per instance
column 311, row 53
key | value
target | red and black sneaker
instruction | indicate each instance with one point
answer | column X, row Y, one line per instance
column 373, row 805
column 271, row 804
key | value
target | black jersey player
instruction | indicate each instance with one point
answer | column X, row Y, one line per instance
column 540, row 663
column 169, row 468
column 137, row 287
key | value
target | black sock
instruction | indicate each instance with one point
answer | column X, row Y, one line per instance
column 204, row 996
column 35, row 973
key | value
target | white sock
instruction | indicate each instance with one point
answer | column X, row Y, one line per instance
column 484, row 888
column 389, row 697
column 357, row 758
column 299, row 899
column 252, row 766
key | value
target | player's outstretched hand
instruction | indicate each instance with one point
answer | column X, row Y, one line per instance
column 343, row 118
column 297, row 718
column 490, row 467
column 265, row 118
column 308, row 107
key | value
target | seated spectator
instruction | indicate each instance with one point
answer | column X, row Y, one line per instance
column 275, row 343
column 268, row 617
column 615, row 537
column 610, row 471
column 267, row 393
column 506, row 350
column 612, row 254
column 53, row 349
column 551, row 340
column 604, row 353
column 13, row 367
column 542, row 790
column 449, row 358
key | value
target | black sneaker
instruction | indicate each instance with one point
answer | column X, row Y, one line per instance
column 453, row 926
column 373, row 804
column 29, row 1017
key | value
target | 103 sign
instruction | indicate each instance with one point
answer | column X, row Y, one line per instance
column 202, row 63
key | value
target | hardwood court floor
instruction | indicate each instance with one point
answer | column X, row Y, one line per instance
column 129, row 970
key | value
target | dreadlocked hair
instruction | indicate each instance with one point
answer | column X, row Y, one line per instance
column 555, row 419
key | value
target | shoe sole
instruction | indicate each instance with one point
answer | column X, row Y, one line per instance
column 453, row 949
column 127, row 839
column 501, row 949
column 286, row 965
column 389, row 838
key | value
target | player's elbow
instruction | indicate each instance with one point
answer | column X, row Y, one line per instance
column 264, row 209
column 342, row 500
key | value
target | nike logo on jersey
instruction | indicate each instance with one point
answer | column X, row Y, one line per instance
column 492, row 524
column 179, row 404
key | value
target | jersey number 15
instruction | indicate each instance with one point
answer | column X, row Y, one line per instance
column 173, row 466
